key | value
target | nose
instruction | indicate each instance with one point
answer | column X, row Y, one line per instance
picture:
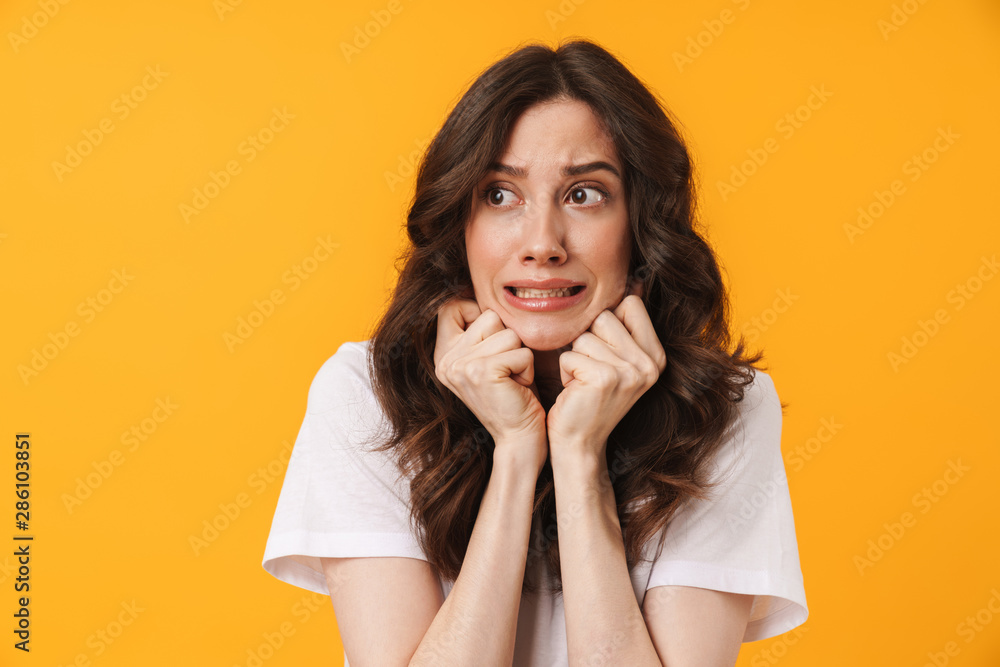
column 543, row 237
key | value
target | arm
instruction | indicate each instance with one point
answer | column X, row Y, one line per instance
column 372, row 594
column 476, row 624
column 603, row 619
column 677, row 626
column 609, row 367
column 696, row 626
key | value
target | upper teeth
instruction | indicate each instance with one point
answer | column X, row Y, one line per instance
column 527, row 293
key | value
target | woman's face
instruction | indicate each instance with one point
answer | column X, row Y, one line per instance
column 548, row 239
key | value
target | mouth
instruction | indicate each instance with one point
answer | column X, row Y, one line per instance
column 531, row 293
column 536, row 300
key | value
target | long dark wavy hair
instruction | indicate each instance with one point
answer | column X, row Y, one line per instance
column 658, row 453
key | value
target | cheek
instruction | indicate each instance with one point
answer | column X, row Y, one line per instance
column 613, row 252
column 482, row 252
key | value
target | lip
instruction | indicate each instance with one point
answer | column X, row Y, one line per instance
column 551, row 283
column 547, row 304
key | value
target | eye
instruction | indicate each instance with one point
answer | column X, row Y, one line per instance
column 497, row 196
column 586, row 195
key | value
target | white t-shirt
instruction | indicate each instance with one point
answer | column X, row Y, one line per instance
column 339, row 499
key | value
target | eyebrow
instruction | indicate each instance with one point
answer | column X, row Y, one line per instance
column 571, row 170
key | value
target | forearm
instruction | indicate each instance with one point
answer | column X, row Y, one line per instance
column 604, row 624
column 477, row 622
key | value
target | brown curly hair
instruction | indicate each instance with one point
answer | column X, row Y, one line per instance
column 657, row 454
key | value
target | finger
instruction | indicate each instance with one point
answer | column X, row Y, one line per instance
column 567, row 363
column 487, row 324
column 452, row 320
column 608, row 329
column 575, row 367
column 494, row 343
column 632, row 313
column 519, row 364
column 596, row 348
column 456, row 315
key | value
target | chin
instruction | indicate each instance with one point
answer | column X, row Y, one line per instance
column 546, row 340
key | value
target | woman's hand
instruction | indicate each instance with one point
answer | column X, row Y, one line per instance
column 609, row 367
column 485, row 365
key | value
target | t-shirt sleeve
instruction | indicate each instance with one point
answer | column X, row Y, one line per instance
column 339, row 498
column 742, row 538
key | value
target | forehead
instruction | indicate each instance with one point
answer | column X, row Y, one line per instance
column 558, row 133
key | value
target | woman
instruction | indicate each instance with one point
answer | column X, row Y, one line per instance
column 547, row 453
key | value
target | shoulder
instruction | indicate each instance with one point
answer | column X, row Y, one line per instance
column 751, row 446
column 341, row 396
column 760, row 393
column 759, row 413
column 343, row 408
column 344, row 376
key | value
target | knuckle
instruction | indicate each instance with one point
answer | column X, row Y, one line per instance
column 635, row 301
column 448, row 305
column 633, row 378
column 661, row 361
column 510, row 337
column 606, row 316
column 474, row 371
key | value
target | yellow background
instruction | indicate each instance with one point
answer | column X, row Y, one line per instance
column 332, row 172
